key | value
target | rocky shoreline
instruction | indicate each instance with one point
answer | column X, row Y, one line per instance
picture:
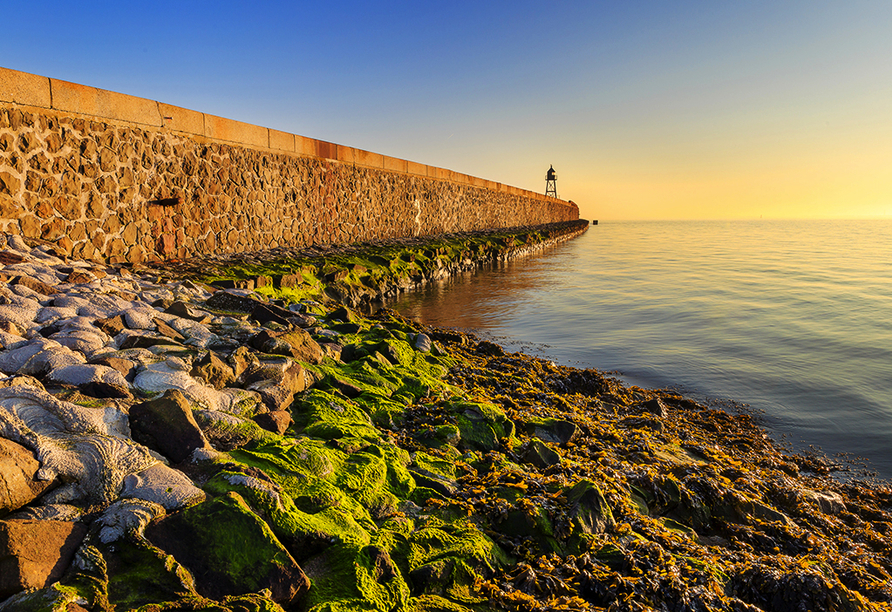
column 231, row 434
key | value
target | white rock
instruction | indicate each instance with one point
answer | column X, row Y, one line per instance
column 21, row 312
column 162, row 485
column 173, row 373
column 86, row 447
column 11, row 341
column 13, row 360
column 86, row 342
column 49, row 359
column 50, row 314
column 126, row 516
column 48, row 512
column 140, row 319
column 82, row 374
column 17, row 243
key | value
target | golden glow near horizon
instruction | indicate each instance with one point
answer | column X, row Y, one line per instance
column 646, row 109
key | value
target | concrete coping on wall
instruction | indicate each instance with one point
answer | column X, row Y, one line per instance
column 29, row 90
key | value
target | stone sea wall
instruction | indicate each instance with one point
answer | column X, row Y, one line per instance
column 112, row 177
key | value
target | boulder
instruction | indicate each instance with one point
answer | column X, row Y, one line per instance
column 34, row 554
column 277, row 390
column 266, row 313
column 166, row 425
column 18, row 470
column 213, row 371
column 184, row 311
column 276, row 421
column 295, row 343
column 229, row 550
column 34, row 285
column 112, row 326
column 231, row 301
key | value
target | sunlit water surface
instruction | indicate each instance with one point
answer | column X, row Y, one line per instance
column 793, row 318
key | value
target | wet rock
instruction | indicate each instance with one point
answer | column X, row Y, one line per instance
column 230, row 301
column 588, row 508
column 276, row 421
column 18, row 476
column 213, row 371
column 266, row 313
column 489, row 348
column 655, row 407
column 538, row 454
column 200, row 538
column 34, row 554
column 422, row 343
column 828, row 501
column 166, row 425
column 555, row 431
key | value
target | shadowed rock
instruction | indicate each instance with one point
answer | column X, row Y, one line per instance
column 166, row 425
column 201, row 538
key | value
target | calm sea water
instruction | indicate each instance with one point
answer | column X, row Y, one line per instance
column 793, row 318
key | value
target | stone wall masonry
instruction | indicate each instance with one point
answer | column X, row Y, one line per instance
column 112, row 177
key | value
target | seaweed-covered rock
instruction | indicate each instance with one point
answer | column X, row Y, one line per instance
column 538, row 454
column 589, row 509
column 229, row 550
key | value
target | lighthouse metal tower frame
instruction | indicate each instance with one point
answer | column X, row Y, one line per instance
column 551, row 182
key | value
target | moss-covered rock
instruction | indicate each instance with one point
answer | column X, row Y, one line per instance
column 229, row 550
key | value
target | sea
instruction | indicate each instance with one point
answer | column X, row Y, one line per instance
column 790, row 320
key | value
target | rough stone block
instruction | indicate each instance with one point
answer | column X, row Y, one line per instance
column 416, row 168
column 181, row 119
column 24, row 88
column 368, row 159
column 75, row 98
column 305, row 146
column 236, row 131
column 282, row 141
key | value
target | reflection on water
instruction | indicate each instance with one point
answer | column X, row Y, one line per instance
column 791, row 317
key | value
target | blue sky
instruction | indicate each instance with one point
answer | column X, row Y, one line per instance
column 646, row 109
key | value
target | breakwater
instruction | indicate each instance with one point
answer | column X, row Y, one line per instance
column 108, row 176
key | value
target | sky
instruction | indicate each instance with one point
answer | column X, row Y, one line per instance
column 646, row 109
